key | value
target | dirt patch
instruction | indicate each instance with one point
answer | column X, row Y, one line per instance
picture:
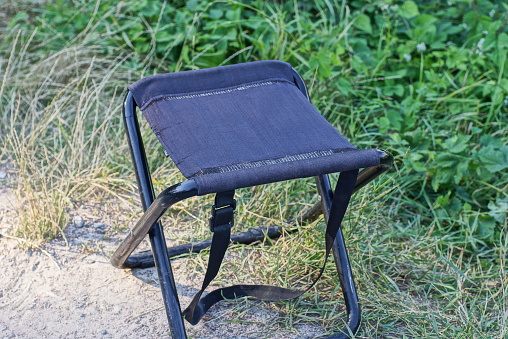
column 68, row 288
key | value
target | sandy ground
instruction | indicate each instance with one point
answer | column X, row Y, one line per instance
column 68, row 289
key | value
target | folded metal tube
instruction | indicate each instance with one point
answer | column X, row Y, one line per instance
column 152, row 215
column 259, row 234
column 155, row 233
column 340, row 255
column 145, row 260
column 122, row 257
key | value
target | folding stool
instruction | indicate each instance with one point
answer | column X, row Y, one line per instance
column 231, row 127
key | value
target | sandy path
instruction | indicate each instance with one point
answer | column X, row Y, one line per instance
column 85, row 297
column 72, row 291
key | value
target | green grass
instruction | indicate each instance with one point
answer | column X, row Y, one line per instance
column 428, row 82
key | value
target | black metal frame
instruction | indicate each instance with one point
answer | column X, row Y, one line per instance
column 155, row 209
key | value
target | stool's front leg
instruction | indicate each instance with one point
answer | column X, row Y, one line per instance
column 339, row 247
column 342, row 262
column 156, row 233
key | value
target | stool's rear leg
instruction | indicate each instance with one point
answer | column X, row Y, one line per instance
column 156, row 234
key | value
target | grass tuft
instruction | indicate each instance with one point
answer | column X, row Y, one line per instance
column 61, row 127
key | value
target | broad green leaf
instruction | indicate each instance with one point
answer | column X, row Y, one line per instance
column 450, row 168
column 461, row 170
column 486, row 228
column 499, row 209
column 494, row 160
column 498, row 97
column 425, row 19
column 358, row 65
column 394, row 118
column 193, row 5
column 414, row 159
column 418, row 166
column 504, row 85
column 215, row 13
column 324, row 69
column 149, row 10
column 441, row 177
column 409, row 9
column 363, row 23
column 470, row 19
column 488, row 140
column 443, row 200
column 345, row 87
column 234, row 14
column 502, row 40
column 231, row 35
column 391, row 90
column 163, row 36
column 454, row 207
column 457, row 143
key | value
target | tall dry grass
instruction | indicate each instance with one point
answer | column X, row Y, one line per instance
column 61, row 127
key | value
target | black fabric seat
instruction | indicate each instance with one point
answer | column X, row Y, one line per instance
column 243, row 125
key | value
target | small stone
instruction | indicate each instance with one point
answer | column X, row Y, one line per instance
column 3, row 175
column 98, row 225
column 78, row 221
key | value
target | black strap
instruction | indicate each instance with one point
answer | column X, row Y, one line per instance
column 220, row 241
column 220, row 224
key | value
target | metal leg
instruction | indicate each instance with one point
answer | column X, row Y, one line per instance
column 156, row 234
column 339, row 247
column 121, row 258
column 340, row 255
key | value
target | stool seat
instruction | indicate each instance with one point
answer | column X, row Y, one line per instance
column 243, row 125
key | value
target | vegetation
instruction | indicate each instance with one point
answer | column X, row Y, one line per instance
column 425, row 80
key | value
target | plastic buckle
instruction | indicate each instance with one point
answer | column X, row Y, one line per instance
column 222, row 216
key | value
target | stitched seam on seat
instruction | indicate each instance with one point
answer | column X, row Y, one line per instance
column 267, row 162
column 217, row 91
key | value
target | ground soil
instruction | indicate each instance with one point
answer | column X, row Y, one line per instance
column 68, row 289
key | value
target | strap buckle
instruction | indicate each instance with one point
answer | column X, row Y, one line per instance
column 222, row 216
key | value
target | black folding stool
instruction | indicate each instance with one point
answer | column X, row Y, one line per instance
column 234, row 110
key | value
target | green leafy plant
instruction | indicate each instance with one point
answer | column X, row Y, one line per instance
column 425, row 80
